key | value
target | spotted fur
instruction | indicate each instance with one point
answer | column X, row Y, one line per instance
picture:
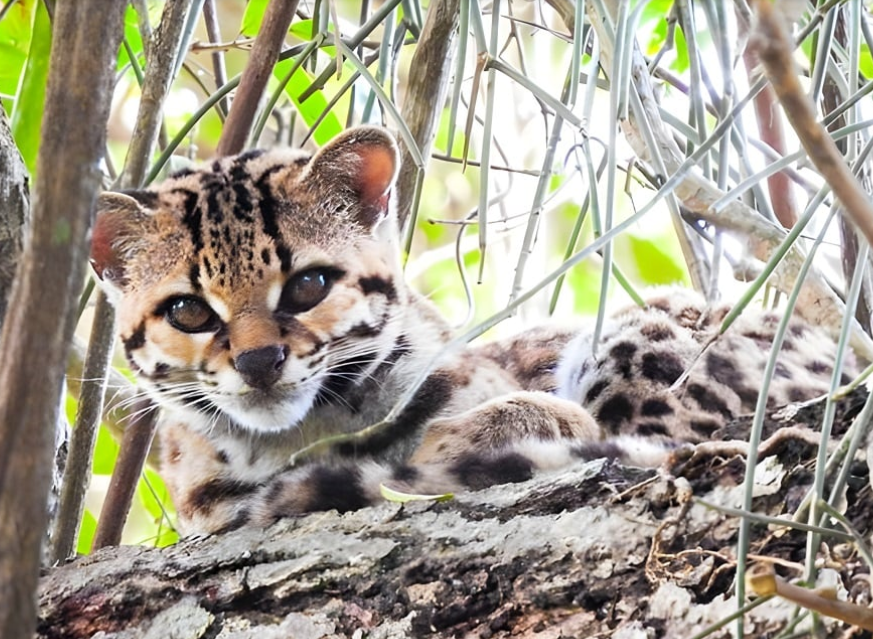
column 261, row 304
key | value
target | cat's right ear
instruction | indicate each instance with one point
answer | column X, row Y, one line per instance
column 118, row 222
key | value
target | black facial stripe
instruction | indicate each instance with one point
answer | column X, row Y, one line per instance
column 284, row 255
column 380, row 285
column 243, row 207
column 194, row 276
column 362, row 329
column 268, row 204
column 342, row 378
column 429, row 400
column 135, row 340
column 192, row 218
column 401, row 348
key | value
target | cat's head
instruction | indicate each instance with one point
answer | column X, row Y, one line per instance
column 245, row 288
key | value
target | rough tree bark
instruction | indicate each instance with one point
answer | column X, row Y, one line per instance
column 596, row 550
column 14, row 219
column 14, row 209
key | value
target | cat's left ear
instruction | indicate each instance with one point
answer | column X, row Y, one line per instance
column 365, row 161
column 120, row 219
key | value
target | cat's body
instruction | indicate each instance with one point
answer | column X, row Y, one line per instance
column 262, row 304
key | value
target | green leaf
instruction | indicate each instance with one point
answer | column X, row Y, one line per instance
column 133, row 39
column 153, row 494
column 30, row 99
column 155, row 498
column 105, row 453
column 86, row 533
column 655, row 263
column 302, row 30
column 15, row 35
column 312, row 109
column 252, row 18
column 865, row 62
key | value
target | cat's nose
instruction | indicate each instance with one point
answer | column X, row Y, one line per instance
column 261, row 367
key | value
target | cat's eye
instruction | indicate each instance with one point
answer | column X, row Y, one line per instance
column 191, row 315
column 306, row 289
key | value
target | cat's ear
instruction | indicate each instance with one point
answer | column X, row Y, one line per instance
column 118, row 221
column 363, row 161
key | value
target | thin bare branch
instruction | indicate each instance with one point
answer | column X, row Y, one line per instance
column 818, row 302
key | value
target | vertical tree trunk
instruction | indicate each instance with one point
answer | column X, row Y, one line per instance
column 36, row 334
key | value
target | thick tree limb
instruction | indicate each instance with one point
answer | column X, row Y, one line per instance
column 595, row 550
column 41, row 313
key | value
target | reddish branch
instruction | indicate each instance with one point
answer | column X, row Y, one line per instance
column 265, row 52
column 775, row 48
column 770, row 128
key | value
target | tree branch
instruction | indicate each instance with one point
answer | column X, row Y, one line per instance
column 425, row 93
column 42, row 307
column 775, row 48
column 265, row 52
column 595, row 550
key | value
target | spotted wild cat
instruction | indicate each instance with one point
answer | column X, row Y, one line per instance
column 261, row 304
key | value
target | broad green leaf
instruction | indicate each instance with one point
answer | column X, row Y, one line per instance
column 155, row 499
column 252, row 18
column 105, row 453
column 312, row 109
column 655, row 263
column 86, row 533
column 584, row 281
column 15, row 34
column 865, row 62
column 302, row 30
column 133, row 39
column 153, row 494
column 30, row 99
column 70, row 408
column 652, row 22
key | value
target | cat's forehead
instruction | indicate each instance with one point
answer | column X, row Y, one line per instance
column 268, row 191
column 238, row 226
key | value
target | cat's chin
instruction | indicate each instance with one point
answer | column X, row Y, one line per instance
column 272, row 416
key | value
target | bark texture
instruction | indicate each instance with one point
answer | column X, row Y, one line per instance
column 595, row 550
column 14, row 209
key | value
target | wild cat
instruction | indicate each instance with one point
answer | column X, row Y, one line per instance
column 262, row 306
